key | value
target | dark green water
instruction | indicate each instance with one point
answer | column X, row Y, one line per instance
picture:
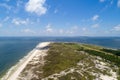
column 12, row 49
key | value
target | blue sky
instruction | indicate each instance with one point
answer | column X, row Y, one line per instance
column 59, row 17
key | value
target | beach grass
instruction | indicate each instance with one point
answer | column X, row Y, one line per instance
column 62, row 56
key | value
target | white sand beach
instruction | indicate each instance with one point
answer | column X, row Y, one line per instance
column 15, row 71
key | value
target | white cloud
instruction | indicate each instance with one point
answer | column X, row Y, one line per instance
column 18, row 21
column 28, row 31
column 118, row 3
column 102, row 0
column 116, row 28
column 36, row 6
column 95, row 25
column 95, row 17
column 49, row 28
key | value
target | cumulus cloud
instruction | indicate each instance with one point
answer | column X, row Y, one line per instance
column 28, row 31
column 18, row 21
column 49, row 28
column 95, row 17
column 116, row 28
column 118, row 3
column 36, row 6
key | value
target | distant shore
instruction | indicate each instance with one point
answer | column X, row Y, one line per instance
column 14, row 72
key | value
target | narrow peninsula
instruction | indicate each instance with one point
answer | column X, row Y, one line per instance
column 67, row 61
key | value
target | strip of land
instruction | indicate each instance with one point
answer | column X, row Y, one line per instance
column 67, row 61
column 15, row 71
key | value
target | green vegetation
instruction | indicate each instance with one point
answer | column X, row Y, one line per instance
column 92, row 46
column 115, row 52
column 72, row 76
column 109, row 57
column 63, row 56
column 60, row 57
column 107, row 54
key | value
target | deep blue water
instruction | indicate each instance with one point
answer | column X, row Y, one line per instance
column 12, row 49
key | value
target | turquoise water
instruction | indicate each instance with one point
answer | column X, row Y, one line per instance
column 12, row 49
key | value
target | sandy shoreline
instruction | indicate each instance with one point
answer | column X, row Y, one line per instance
column 14, row 72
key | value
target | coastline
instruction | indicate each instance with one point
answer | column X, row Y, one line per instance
column 14, row 72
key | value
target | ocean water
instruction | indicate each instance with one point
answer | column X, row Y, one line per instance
column 12, row 49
